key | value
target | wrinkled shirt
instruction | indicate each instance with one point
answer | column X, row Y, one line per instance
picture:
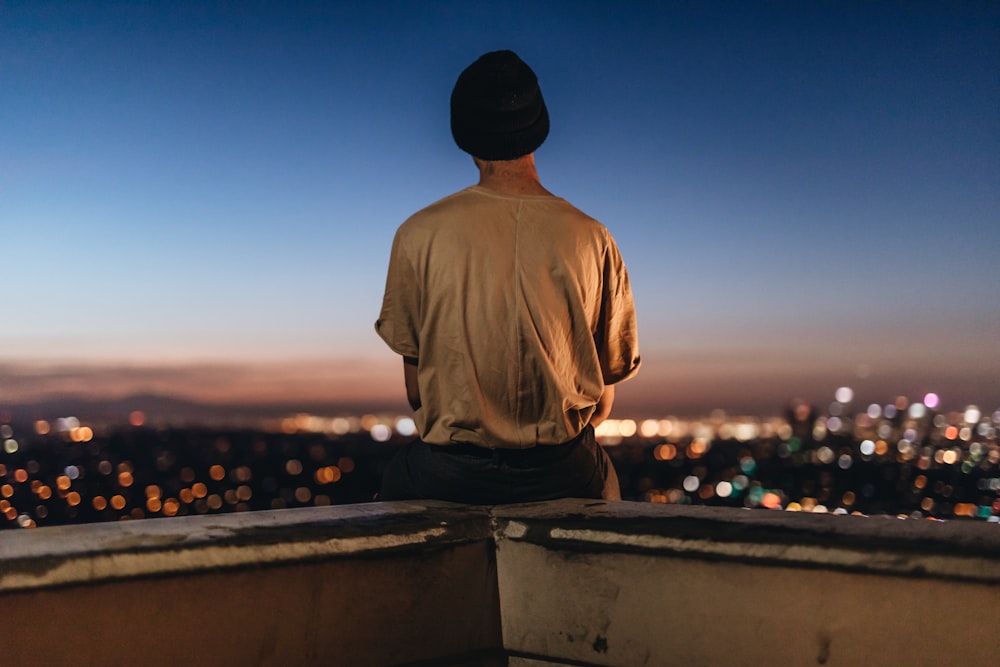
column 518, row 310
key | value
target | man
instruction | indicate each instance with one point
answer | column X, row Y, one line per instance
column 513, row 313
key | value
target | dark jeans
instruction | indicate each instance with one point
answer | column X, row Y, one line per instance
column 480, row 476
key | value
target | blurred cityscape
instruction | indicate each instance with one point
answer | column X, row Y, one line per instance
column 902, row 459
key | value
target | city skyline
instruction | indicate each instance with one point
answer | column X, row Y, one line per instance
column 198, row 201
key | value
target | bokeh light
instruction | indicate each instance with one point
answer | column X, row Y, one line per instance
column 901, row 460
column 844, row 395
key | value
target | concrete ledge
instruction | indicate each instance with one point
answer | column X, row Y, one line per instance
column 380, row 584
column 962, row 550
column 626, row 585
column 569, row 582
column 91, row 553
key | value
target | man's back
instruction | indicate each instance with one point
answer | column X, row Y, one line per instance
column 513, row 314
column 519, row 311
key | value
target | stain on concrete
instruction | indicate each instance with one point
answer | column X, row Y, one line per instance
column 601, row 644
column 33, row 567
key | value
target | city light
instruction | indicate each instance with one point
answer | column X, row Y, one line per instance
column 903, row 457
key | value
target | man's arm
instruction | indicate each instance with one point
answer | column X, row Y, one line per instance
column 604, row 404
column 412, row 386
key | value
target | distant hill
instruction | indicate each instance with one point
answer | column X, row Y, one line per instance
column 173, row 410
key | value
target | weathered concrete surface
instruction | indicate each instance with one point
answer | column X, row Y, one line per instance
column 515, row 661
column 960, row 549
column 387, row 584
column 90, row 553
column 570, row 582
column 618, row 584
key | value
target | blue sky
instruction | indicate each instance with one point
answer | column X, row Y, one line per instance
column 806, row 194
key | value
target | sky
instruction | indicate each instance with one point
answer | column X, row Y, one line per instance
column 198, row 199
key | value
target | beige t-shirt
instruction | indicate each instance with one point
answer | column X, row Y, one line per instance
column 519, row 312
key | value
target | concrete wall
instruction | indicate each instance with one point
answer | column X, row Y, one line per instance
column 628, row 585
column 378, row 584
column 564, row 583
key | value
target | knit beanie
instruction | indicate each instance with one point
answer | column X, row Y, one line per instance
column 497, row 110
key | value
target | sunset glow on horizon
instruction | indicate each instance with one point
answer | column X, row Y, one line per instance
column 199, row 201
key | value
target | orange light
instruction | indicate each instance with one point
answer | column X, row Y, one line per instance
column 186, row 496
column 72, row 498
column 21, row 475
column 125, row 479
column 137, row 418
column 951, row 433
column 170, row 507
column 153, row 504
column 328, row 475
column 665, row 452
column 44, row 492
column 99, row 503
column 199, row 490
column 152, row 491
column 6, row 490
column 118, row 502
column 965, row 509
column 770, row 500
column 63, row 483
column 217, row 472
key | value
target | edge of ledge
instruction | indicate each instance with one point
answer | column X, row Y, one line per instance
column 878, row 545
column 66, row 555
column 81, row 554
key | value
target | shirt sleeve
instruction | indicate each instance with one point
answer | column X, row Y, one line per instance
column 399, row 322
column 617, row 331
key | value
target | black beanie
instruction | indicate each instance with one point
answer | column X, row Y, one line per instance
column 497, row 110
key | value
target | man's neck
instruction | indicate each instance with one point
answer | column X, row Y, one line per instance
column 511, row 177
